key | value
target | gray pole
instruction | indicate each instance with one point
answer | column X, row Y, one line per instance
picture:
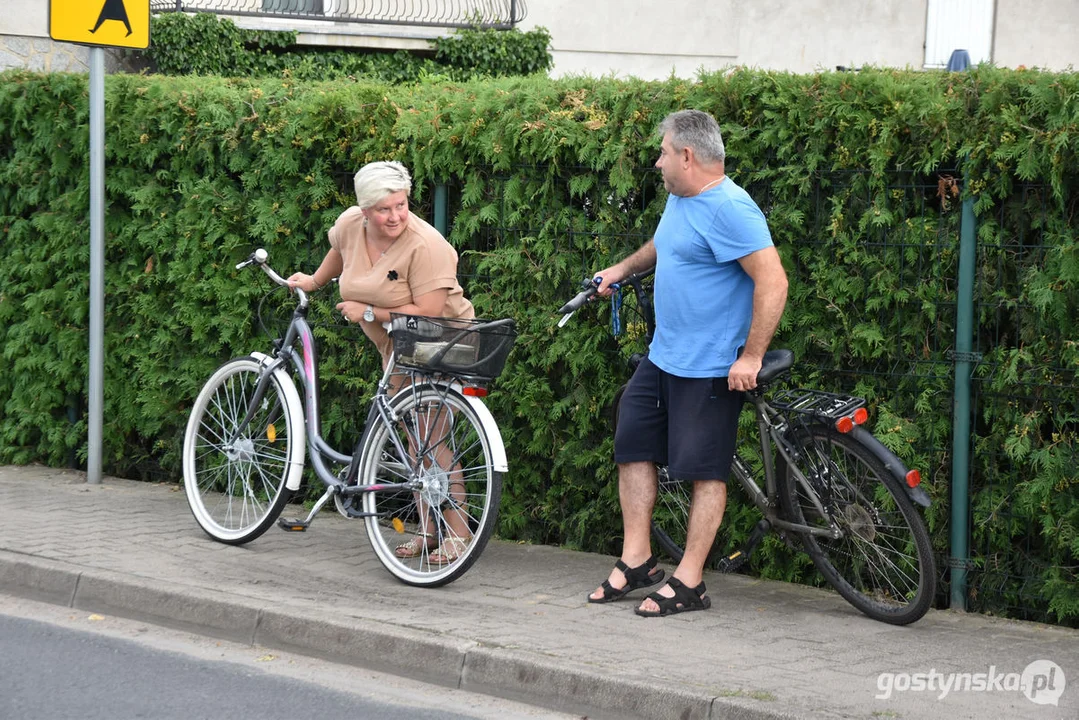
column 97, row 262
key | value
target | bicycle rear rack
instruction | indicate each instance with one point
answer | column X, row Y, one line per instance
column 817, row 403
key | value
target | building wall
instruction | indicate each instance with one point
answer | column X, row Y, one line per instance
column 653, row 41
column 1037, row 33
column 612, row 37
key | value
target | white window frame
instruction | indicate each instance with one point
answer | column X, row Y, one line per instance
column 958, row 25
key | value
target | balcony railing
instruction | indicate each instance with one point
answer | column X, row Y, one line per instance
column 498, row 14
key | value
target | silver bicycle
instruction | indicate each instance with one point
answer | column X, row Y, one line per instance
column 425, row 475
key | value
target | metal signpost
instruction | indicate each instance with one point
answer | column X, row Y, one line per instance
column 99, row 24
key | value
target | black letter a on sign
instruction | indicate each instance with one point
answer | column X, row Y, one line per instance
column 113, row 10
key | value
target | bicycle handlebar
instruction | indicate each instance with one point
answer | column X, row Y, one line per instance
column 590, row 288
column 259, row 258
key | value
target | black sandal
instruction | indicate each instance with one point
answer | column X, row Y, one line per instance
column 638, row 577
column 685, row 599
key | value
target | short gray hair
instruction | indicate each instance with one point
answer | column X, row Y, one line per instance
column 376, row 180
column 697, row 130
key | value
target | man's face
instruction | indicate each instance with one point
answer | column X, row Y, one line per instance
column 673, row 165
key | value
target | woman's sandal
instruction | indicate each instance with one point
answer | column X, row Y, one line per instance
column 638, row 577
column 414, row 547
column 450, row 549
column 685, row 599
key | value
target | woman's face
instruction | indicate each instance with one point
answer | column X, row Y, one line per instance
column 389, row 216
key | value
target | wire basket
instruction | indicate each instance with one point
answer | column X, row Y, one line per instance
column 476, row 349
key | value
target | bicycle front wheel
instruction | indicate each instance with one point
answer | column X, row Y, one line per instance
column 432, row 531
column 670, row 518
column 236, row 480
column 883, row 562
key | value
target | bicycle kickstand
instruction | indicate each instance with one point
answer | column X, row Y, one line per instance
column 739, row 557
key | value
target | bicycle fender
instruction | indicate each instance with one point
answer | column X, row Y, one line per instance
column 891, row 463
column 498, row 449
column 295, row 472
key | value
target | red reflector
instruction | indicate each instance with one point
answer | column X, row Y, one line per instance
column 844, row 424
column 475, row 391
column 913, row 478
column 860, row 416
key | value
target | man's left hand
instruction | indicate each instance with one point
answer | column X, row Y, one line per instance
column 743, row 373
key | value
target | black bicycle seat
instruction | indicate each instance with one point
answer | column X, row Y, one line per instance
column 775, row 362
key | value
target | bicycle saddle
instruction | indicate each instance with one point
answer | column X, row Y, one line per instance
column 774, row 363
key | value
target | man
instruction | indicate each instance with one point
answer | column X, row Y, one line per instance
column 720, row 289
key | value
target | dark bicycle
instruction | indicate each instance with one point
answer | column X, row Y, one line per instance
column 849, row 501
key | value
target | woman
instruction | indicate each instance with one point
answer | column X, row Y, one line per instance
column 390, row 261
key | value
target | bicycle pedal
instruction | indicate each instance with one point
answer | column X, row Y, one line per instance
column 732, row 562
column 292, row 524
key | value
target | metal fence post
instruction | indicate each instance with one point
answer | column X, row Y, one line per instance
column 442, row 221
column 959, row 559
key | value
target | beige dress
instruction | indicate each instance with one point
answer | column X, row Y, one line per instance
column 418, row 262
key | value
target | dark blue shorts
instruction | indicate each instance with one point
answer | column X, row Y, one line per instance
column 688, row 424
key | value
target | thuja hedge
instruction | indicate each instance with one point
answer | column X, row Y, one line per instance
column 205, row 44
column 862, row 176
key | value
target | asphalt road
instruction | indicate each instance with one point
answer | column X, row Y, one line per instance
column 59, row 663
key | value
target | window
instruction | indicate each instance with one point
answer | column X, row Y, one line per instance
column 958, row 25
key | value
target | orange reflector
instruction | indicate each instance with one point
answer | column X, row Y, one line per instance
column 860, row 416
column 271, row 433
column 398, row 525
column 913, row 478
column 475, row 391
column 844, row 424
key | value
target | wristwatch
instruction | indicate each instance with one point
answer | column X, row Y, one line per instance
column 369, row 314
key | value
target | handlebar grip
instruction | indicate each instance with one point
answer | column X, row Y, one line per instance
column 590, row 287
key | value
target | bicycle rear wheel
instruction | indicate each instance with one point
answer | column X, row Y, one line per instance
column 439, row 443
column 236, row 482
column 883, row 563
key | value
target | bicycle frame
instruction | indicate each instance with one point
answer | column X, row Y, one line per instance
column 772, row 427
column 304, row 364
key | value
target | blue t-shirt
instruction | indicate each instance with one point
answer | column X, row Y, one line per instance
column 703, row 297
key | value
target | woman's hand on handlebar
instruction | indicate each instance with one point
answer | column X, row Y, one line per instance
column 303, row 281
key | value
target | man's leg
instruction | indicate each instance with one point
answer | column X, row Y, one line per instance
column 637, row 487
column 705, row 517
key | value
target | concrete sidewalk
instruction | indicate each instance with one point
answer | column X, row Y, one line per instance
column 517, row 624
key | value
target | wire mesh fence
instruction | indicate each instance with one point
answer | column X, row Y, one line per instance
column 500, row 14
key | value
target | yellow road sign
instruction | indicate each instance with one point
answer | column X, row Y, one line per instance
column 116, row 23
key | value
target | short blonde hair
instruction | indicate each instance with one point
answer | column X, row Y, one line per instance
column 376, row 180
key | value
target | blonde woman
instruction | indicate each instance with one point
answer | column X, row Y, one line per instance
column 391, row 261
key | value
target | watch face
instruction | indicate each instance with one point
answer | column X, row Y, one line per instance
column 369, row 315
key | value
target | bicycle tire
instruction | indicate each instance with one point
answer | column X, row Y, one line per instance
column 441, row 432
column 237, row 486
column 883, row 564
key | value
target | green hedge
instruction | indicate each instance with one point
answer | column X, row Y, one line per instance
column 861, row 174
column 204, row 44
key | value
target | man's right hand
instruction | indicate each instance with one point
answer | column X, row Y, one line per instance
column 609, row 276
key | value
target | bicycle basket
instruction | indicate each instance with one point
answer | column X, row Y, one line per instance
column 476, row 349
